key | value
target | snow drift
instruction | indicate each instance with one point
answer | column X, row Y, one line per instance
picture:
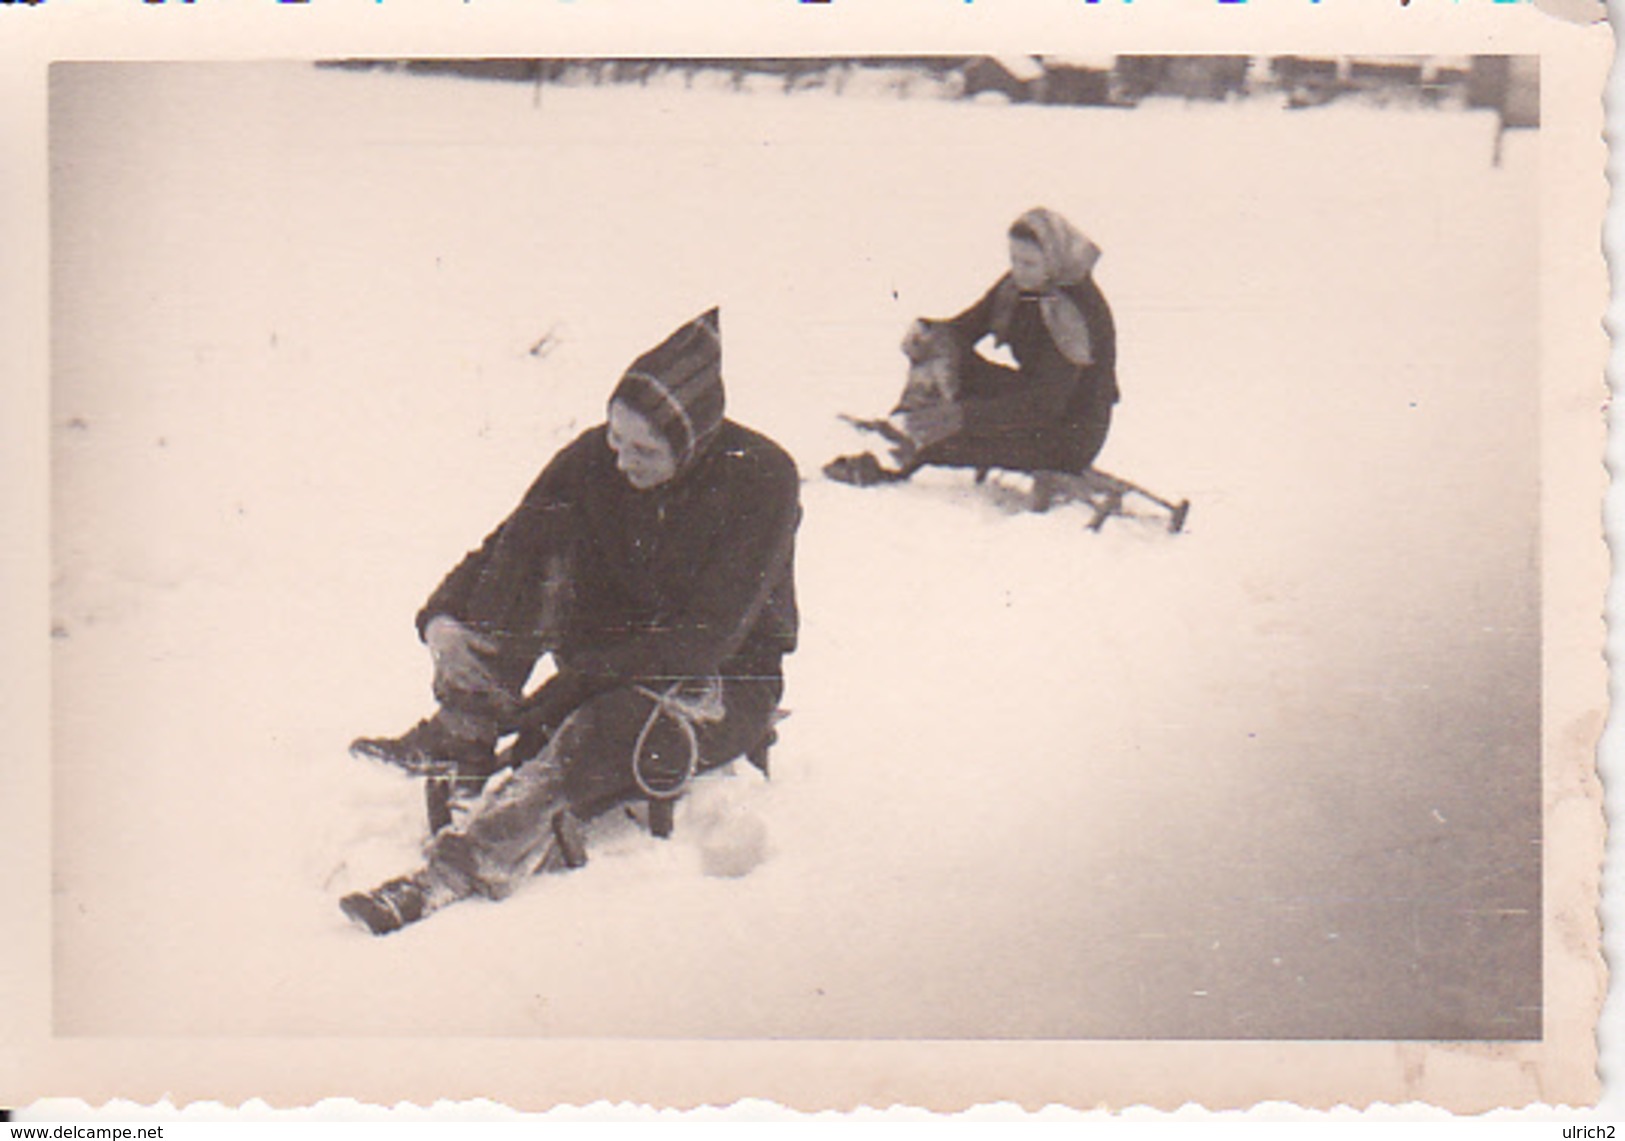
column 314, row 332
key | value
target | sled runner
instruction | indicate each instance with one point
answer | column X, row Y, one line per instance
column 450, row 791
column 560, row 844
column 1104, row 493
column 935, row 363
column 662, row 810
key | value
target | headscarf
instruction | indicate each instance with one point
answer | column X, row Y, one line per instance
column 677, row 387
column 1069, row 258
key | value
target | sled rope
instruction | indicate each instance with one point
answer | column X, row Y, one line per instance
column 683, row 712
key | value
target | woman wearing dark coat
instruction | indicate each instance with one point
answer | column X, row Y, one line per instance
column 1051, row 412
column 653, row 558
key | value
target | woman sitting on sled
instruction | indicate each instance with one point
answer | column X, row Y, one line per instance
column 653, row 558
column 1052, row 412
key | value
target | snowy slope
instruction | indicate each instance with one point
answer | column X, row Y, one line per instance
column 1274, row 777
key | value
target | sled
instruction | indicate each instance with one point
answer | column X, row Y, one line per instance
column 1105, row 494
column 662, row 810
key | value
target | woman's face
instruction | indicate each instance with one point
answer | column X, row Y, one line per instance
column 1027, row 264
column 641, row 453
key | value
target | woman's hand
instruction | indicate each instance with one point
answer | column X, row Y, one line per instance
column 454, row 648
column 914, row 337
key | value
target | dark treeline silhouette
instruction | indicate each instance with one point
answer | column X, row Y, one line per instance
column 1509, row 85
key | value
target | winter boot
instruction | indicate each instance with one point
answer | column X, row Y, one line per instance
column 861, row 470
column 428, row 749
column 392, row 905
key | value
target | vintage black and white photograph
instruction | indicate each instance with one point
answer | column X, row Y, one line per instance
column 928, row 547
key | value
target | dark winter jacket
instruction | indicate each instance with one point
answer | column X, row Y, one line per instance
column 693, row 578
column 1052, row 389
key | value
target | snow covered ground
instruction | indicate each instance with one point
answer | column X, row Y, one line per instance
column 1276, row 777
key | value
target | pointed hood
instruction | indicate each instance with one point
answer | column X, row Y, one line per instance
column 677, row 387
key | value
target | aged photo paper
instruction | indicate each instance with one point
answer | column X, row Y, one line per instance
column 1254, row 764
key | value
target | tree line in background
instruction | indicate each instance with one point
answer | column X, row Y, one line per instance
column 1508, row 85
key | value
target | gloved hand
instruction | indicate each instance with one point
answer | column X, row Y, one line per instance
column 927, row 426
column 914, row 337
column 454, row 648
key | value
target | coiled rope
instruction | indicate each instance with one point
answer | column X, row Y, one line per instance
column 685, row 710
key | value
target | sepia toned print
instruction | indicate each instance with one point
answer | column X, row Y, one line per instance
column 1237, row 727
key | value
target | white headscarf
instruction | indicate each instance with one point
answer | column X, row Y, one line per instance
column 1069, row 258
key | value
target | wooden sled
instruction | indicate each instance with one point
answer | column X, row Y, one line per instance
column 1105, row 494
column 662, row 810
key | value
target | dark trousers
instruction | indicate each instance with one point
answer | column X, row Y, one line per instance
column 1068, row 446
column 587, row 767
